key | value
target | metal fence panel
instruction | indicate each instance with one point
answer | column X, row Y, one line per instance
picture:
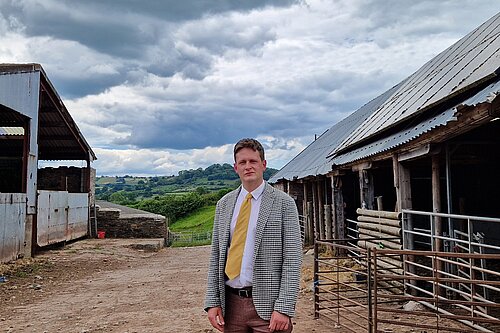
column 341, row 285
column 12, row 225
column 61, row 216
column 78, row 215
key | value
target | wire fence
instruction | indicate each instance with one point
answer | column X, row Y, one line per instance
column 189, row 238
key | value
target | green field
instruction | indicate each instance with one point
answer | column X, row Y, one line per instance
column 195, row 229
column 200, row 221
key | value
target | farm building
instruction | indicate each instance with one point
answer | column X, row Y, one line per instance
column 412, row 177
column 39, row 206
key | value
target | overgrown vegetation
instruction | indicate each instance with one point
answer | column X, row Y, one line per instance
column 127, row 190
column 175, row 207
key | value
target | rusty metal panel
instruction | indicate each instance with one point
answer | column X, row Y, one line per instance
column 51, row 217
column 12, row 225
column 78, row 215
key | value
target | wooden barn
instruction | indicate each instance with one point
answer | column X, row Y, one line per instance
column 39, row 206
column 415, row 169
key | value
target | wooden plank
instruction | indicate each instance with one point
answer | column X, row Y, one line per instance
column 393, row 231
column 378, row 213
column 368, row 244
column 378, row 234
column 393, row 223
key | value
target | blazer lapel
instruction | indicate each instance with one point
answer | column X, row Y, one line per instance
column 228, row 215
column 265, row 210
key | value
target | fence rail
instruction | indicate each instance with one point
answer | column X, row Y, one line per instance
column 361, row 290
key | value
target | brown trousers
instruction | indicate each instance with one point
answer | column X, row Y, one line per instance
column 241, row 317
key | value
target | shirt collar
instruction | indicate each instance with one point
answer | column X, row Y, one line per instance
column 255, row 193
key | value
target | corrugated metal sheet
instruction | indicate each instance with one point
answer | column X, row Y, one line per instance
column 469, row 61
column 12, row 224
column 61, row 216
column 11, row 131
column 312, row 160
column 414, row 132
column 20, row 92
column 78, row 215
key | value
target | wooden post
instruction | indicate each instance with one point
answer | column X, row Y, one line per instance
column 310, row 220
column 366, row 188
column 321, row 212
column 395, row 172
column 307, row 234
column 436, row 203
column 338, row 202
column 404, row 202
column 315, row 209
column 438, row 222
column 380, row 205
column 334, row 215
column 328, row 221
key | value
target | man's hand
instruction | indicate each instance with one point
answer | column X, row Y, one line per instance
column 216, row 319
column 279, row 322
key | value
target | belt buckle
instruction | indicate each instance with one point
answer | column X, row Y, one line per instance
column 243, row 293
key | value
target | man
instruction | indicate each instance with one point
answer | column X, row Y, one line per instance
column 254, row 271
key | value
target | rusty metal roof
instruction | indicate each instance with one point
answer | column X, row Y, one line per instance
column 59, row 138
column 468, row 64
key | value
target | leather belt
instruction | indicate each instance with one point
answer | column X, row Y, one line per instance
column 242, row 292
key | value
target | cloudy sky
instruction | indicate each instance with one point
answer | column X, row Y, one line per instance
column 160, row 86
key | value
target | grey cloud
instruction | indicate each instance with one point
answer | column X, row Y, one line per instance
column 220, row 35
column 175, row 10
column 419, row 18
column 117, row 28
column 196, row 119
column 71, row 88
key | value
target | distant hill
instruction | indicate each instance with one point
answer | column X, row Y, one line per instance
column 127, row 188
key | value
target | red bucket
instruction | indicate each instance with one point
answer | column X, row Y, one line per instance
column 101, row 234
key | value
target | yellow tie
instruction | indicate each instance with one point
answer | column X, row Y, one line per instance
column 233, row 263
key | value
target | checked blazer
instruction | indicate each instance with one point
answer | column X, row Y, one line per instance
column 277, row 254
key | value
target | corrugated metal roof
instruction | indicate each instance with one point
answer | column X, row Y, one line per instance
column 26, row 90
column 414, row 132
column 11, row 131
column 460, row 67
column 312, row 160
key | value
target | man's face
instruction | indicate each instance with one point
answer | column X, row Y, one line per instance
column 249, row 167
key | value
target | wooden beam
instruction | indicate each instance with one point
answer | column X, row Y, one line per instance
column 366, row 189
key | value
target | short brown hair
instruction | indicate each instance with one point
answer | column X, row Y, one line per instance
column 249, row 143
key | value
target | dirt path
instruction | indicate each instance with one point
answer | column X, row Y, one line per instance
column 108, row 286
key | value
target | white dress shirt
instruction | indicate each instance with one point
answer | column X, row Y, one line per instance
column 245, row 277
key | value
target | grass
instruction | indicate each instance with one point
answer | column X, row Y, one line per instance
column 195, row 227
column 200, row 221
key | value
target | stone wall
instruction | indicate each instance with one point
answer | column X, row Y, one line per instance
column 131, row 225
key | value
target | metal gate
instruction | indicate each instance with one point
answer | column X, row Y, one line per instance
column 365, row 290
column 61, row 216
